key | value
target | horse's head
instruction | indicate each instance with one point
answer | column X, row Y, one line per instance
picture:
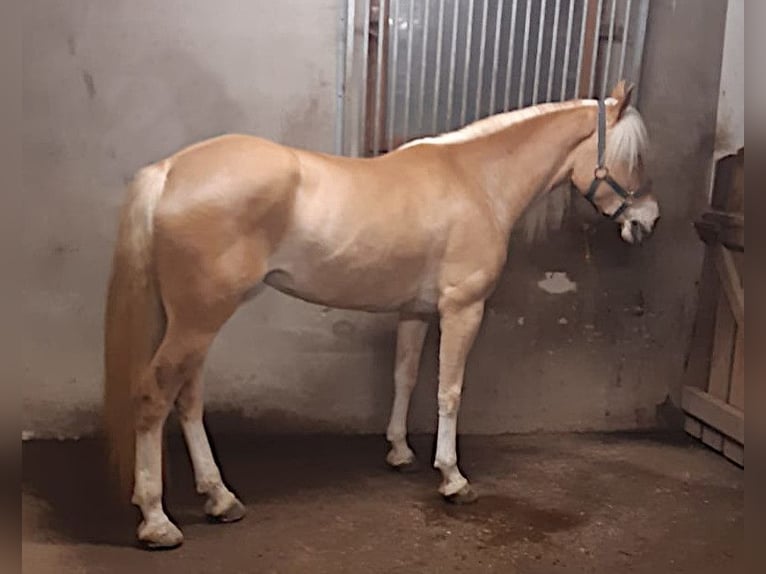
column 608, row 167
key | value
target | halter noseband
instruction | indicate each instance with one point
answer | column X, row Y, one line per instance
column 601, row 173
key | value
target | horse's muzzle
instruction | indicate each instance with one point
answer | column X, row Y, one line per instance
column 637, row 232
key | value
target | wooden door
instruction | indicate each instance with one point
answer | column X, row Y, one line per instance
column 714, row 396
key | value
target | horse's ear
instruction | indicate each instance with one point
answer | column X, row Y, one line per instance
column 622, row 93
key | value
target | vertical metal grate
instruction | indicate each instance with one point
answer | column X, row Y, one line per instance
column 431, row 66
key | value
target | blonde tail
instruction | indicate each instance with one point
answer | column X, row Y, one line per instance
column 135, row 319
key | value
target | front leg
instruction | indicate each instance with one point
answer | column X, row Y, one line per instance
column 459, row 325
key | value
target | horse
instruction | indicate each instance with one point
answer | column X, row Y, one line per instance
column 420, row 231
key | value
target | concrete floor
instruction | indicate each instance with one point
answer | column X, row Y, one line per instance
column 549, row 503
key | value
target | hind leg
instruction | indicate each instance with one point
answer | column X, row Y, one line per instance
column 221, row 504
column 156, row 530
column 411, row 334
column 175, row 359
column 205, row 266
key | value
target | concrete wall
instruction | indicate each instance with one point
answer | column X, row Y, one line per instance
column 111, row 86
column 109, row 89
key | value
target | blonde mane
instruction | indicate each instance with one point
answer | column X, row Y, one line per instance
column 496, row 123
column 628, row 140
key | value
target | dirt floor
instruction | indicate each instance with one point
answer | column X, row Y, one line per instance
column 549, row 503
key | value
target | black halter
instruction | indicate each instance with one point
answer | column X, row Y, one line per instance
column 601, row 173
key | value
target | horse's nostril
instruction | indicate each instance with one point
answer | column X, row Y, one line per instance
column 637, row 231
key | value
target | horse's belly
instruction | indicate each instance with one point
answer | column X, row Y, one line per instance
column 352, row 287
column 341, row 252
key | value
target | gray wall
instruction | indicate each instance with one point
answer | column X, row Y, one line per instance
column 107, row 89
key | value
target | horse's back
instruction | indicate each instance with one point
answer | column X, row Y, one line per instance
column 232, row 161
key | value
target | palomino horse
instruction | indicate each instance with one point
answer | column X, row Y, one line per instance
column 421, row 230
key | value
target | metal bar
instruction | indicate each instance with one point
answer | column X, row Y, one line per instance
column 453, row 55
column 382, row 18
column 625, row 35
column 638, row 47
column 609, row 45
column 480, row 76
column 524, row 52
column 365, row 68
column 346, row 13
column 596, row 42
column 394, row 65
column 408, row 73
column 352, row 89
column 509, row 63
column 552, row 65
column 581, row 51
column 466, row 63
column 565, row 72
column 496, row 56
column 424, row 53
column 437, row 78
column 538, row 58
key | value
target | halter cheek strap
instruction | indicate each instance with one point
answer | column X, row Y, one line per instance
column 601, row 173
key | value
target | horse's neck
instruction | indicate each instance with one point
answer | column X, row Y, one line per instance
column 526, row 158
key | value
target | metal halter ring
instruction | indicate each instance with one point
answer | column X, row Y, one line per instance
column 601, row 173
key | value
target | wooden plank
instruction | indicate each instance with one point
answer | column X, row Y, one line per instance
column 739, row 263
column 722, row 181
column 728, row 185
column 719, row 376
column 725, row 218
column 722, row 227
column 736, row 199
column 693, row 427
column 734, row 452
column 715, row 413
column 712, row 438
column 737, row 386
column 730, row 282
column 701, row 348
column 713, row 233
column 732, row 238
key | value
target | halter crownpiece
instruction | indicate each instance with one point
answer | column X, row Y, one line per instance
column 601, row 173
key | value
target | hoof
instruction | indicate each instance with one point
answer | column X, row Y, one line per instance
column 164, row 536
column 466, row 495
column 406, row 467
column 402, row 459
column 234, row 513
